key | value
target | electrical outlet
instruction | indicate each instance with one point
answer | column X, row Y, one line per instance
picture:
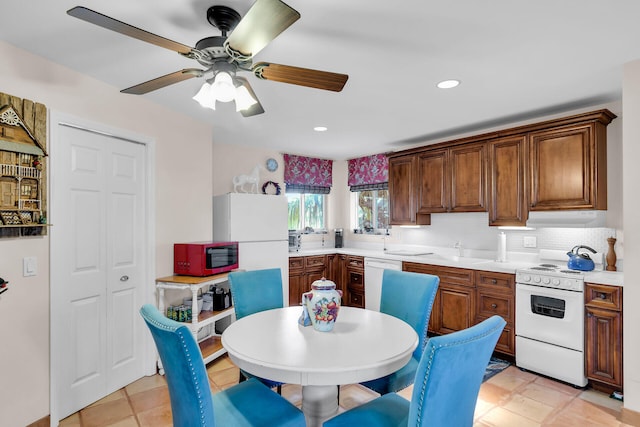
column 29, row 266
column 529, row 242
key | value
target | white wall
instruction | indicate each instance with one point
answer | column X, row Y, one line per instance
column 180, row 215
column 631, row 174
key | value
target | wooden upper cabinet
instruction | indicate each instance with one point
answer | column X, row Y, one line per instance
column 568, row 168
column 402, row 192
column 468, row 178
column 506, row 181
column 452, row 180
column 433, row 193
column 553, row 165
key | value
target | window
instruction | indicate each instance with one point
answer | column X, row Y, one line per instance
column 371, row 209
column 306, row 210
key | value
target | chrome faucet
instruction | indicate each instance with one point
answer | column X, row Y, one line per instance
column 458, row 245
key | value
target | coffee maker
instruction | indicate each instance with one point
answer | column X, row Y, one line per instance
column 339, row 237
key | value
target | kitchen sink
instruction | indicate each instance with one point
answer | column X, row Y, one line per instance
column 406, row 252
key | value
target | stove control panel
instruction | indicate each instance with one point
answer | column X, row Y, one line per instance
column 551, row 281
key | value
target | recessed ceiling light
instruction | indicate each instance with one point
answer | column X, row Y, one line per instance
column 448, row 84
column 320, row 128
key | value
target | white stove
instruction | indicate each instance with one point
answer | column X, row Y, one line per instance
column 550, row 322
column 551, row 276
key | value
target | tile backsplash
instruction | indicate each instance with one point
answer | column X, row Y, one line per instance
column 472, row 231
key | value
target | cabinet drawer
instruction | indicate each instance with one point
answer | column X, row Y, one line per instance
column 356, row 261
column 355, row 299
column 459, row 276
column 490, row 304
column 355, row 279
column 296, row 263
column 603, row 296
column 314, row 261
column 497, row 281
column 415, row 267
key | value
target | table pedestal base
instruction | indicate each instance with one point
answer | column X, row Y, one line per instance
column 319, row 403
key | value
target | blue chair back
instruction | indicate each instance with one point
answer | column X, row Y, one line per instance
column 256, row 290
column 189, row 388
column 450, row 373
column 410, row 296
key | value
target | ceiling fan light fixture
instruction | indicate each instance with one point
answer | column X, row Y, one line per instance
column 244, row 100
column 204, row 96
column 222, row 88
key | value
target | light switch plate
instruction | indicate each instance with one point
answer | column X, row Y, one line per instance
column 529, row 242
column 29, row 266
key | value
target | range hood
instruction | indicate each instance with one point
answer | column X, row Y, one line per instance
column 567, row 219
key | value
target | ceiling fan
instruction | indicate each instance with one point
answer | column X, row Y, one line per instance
column 224, row 56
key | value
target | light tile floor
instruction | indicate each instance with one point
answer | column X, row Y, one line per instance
column 511, row 398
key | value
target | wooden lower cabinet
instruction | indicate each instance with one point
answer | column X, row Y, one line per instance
column 454, row 307
column 303, row 271
column 495, row 295
column 354, row 284
column 346, row 271
column 603, row 332
column 467, row 297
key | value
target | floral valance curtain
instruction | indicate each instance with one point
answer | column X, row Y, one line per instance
column 307, row 174
column 369, row 173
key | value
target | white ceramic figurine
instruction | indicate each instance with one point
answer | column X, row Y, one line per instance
column 252, row 179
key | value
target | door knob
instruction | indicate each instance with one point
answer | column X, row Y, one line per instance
column 124, row 278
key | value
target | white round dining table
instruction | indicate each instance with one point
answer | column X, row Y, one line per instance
column 363, row 345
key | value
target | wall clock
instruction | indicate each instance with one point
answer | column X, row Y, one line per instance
column 272, row 165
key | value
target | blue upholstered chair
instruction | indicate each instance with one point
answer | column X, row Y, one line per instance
column 192, row 403
column 407, row 296
column 254, row 291
column 446, row 385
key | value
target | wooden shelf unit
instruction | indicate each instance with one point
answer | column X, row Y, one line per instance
column 210, row 346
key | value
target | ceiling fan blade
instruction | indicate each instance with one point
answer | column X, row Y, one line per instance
column 104, row 21
column 255, row 109
column 300, row 76
column 163, row 81
column 261, row 24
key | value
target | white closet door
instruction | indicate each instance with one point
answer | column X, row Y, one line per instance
column 98, row 265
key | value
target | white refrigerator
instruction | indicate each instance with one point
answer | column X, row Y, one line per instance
column 258, row 222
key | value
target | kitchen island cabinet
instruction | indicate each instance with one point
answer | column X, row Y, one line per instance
column 603, row 336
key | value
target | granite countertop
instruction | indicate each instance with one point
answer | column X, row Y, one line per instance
column 437, row 257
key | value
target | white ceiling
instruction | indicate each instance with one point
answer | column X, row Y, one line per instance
column 517, row 60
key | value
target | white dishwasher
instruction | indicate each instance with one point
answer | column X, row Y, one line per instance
column 373, row 268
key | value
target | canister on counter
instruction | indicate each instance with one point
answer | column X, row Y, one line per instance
column 339, row 235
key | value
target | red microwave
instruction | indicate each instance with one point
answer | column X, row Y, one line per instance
column 204, row 258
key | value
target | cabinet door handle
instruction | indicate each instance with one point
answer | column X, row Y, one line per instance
column 603, row 296
column 124, row 278
column 494, row 281
column 494, row 305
